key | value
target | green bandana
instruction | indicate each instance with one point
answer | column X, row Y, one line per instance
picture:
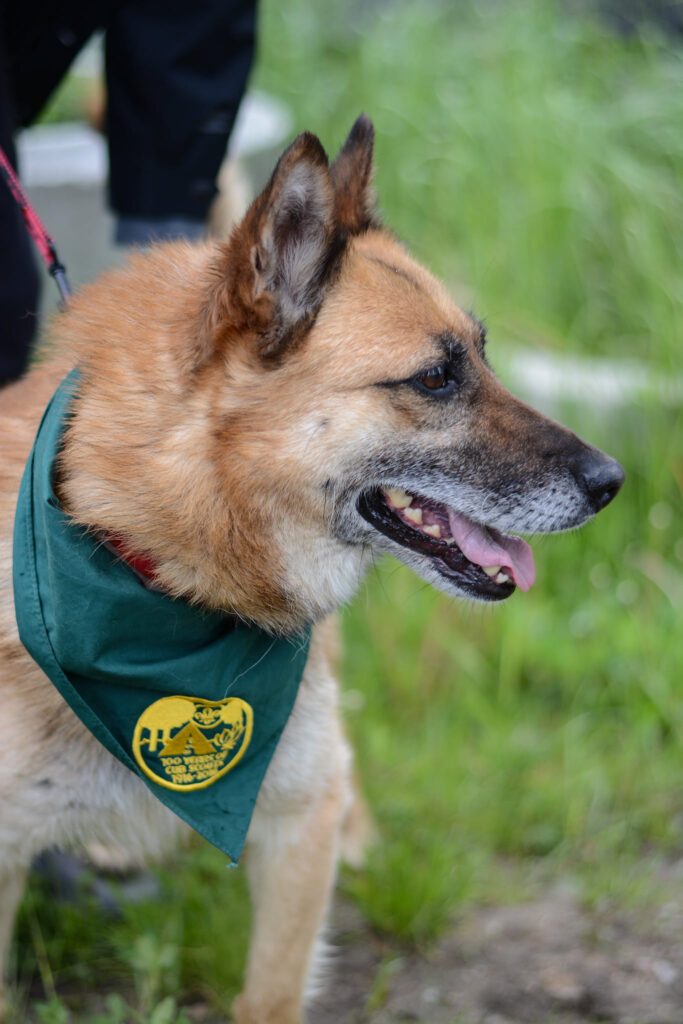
column 191, row 701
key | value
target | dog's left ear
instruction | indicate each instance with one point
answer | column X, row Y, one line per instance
column 352, row 179
column 283, row 257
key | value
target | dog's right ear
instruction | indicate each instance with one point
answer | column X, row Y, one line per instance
column 284, row 255
column 352, row 173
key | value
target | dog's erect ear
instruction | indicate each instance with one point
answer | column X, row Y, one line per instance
column 286, row 252
column 352, row 179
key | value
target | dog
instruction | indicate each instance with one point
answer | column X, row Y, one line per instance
column 255, row 422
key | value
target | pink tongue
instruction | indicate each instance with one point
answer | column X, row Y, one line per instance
column 485, row 546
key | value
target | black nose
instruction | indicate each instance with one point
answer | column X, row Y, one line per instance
column 600, row 476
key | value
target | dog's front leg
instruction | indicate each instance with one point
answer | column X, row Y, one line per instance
column 291, row 865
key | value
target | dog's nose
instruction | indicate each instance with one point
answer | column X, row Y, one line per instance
column 600, row 476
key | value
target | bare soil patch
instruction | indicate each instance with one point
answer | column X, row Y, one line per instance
column 535, row 963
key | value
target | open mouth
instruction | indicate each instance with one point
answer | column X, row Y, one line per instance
column 478, row 559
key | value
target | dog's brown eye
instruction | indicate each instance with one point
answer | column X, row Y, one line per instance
column 434, row 379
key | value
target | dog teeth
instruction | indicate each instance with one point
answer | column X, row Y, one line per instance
column 398, row 497
column 494, row 571
column 401, row 500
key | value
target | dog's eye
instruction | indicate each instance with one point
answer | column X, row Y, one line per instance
column 439, row 381
column 434, row 380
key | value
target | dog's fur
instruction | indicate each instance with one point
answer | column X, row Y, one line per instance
column 236, row 400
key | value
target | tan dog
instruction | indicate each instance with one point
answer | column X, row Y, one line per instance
column 262, row 418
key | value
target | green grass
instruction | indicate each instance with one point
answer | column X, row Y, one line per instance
column 147, row 958
column 534, row 160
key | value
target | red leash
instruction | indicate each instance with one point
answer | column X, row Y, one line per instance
column 36, row 228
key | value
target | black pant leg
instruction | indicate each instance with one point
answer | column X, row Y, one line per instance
column 176, row 72
column 19, row 279
column 42, row 37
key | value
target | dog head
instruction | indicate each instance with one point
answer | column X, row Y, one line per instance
column 328, row 402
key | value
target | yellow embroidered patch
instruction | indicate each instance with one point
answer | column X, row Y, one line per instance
column 186, row 743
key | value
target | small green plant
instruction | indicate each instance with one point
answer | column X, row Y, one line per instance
column 52, row 1012
column 380, row 989
column 155, row 965
column 117, row 1011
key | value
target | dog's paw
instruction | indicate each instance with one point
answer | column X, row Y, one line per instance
column 248, row 1011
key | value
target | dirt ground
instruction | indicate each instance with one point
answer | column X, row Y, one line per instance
column 545, row 962
column 536, row 963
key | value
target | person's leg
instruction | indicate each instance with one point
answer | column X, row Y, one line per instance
column 176, row 74
column 42, row 38
column 38, row 41
column 19, row 280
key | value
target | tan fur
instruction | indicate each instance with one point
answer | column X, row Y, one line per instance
column 248, row 481
column 235, row 398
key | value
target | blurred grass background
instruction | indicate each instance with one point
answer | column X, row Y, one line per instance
column 533, row 157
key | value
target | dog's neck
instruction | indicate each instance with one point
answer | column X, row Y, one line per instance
column 226, row 543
